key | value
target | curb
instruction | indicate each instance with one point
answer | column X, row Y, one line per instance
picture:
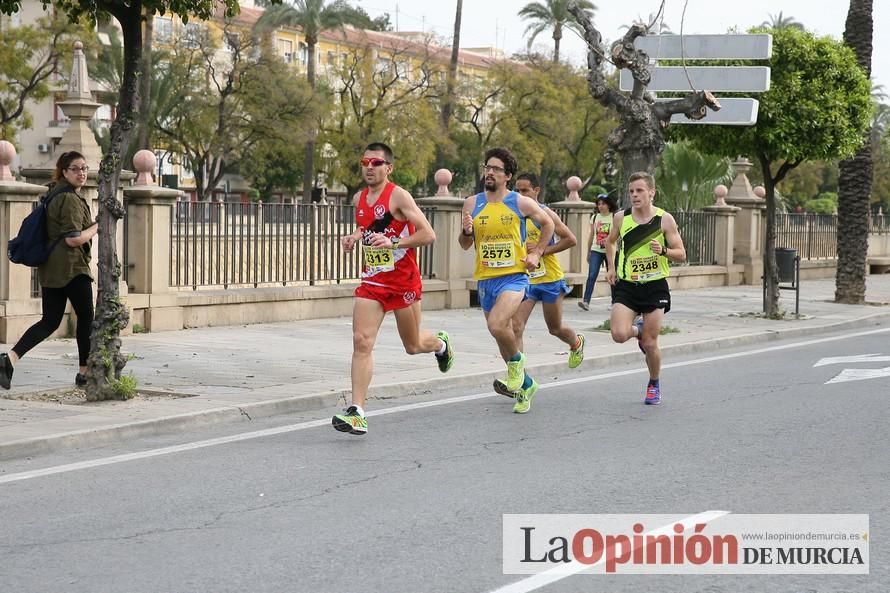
column 316, row 401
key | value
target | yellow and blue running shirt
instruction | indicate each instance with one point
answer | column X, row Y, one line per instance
column 548, row 269
column 636, row 260
column 499, row 237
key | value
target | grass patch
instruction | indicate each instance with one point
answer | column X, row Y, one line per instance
column 139, row 329
column 607, row 326
column 125, row 387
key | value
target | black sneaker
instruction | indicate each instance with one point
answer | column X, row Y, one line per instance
column 80, row 380
column 501, row 389
column 6, row 369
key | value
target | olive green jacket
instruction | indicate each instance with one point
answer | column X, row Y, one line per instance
column 67, row 215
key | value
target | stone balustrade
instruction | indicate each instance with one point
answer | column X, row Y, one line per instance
column 157, row 306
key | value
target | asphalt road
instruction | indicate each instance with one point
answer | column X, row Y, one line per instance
column 416, row 505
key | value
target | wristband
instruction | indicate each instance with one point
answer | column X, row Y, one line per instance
column 466, row 234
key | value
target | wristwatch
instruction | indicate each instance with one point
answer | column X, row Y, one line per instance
column 395, row 243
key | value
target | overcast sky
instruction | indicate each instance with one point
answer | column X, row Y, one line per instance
column 495, row 22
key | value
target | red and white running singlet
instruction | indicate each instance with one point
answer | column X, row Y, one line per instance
column 395, row 269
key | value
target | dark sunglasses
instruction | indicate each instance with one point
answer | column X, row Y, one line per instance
column 373, row 162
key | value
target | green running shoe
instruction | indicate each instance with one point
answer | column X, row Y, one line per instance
column 524, row 398
column 350, row 422
column 576, row 356
column 515, row 373
column 446, row 359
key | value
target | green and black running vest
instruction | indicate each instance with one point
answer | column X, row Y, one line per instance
column 636, row 260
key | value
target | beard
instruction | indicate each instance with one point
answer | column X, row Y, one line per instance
column 489, row 184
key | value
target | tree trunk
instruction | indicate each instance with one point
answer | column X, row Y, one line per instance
column 855, row 179
column 633, row 161
column 106, row 362
column 143, row 142
column 448, row 104
column 309, row 158
column 770, row 270
column 557, row 37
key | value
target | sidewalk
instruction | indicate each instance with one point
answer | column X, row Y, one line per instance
column 202, row 376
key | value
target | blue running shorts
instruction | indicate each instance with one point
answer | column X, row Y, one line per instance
column 491, row 288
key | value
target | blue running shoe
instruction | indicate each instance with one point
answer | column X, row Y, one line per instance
column 653, row 395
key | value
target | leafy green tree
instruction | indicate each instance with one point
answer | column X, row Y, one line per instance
column 806, row 181
column 855, row 181
column 106, row 362
column 555, row 15
column 817, row 108
column 555, row 118
column 389, row 99
column 824, row 203
column 227, row 104
column 312, row 17
column 880, row 194
column 29, row 56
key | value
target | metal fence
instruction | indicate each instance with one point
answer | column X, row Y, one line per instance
column 879, row 224
column 232, row 245
column 699, row 233
column 814, row 236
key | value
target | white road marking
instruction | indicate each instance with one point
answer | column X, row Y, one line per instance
column 561, row 571
column 852, row 359
column 859, row 375
column 257, row 434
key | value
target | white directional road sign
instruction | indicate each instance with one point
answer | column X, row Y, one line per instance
column 733, row 112
column 707, row 47
column 711, row 78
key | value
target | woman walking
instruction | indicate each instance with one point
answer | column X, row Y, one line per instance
column 600, row 225
column 66, row 275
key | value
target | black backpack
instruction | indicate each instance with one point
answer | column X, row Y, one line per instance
column 30, row 246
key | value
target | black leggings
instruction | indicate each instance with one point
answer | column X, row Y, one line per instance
column 80, row 292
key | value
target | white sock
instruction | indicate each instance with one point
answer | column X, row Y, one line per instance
column 359, row 410
column 442, row 348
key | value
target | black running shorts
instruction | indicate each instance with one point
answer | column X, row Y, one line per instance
column 644, row 297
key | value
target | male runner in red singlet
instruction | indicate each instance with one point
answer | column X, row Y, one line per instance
column 390, row 228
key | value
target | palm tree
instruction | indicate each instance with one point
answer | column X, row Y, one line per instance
column 687, row 177
column 448, row 103
column 855, row 180
column 312, row 17
column 782, row 22
column 553, row 14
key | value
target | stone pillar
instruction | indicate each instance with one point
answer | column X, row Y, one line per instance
column 725, row 231
column 450, row 262
column 16, row 202
column 149, row 212
column 749, row 223
column 574, row 261
column 80, row 107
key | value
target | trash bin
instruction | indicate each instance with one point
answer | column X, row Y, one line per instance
column 785, row 263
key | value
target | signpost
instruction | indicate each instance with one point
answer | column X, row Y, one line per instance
column 735, row 111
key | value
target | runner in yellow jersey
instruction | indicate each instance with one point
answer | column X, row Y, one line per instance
column 649, row 238
column 494, row 223
column 547, row 283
